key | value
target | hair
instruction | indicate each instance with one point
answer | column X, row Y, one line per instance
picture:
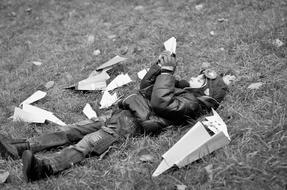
column 217, row 88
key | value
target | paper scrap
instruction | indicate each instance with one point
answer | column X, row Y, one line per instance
column 96, row 52
column 96, row 81
column 278, row 43
column 3, row 176
column 108, row 99
column 111, row 62
column 21, row 115
column 255, row 85
column 199, row 7
column 142, row 73
column 38, row 63
column 34, row 97
column 89, row 112
column 170, row 45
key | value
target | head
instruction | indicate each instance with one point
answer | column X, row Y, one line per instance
column 213, row 85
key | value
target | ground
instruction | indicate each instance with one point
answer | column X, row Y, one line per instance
column 63, row 36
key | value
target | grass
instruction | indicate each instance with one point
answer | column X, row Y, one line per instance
column 56, row 33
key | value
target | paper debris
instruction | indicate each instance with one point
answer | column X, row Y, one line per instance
column 181, row 187
column 278, row 43
column 91, row 39
column 255, row 85
column 95, row 81
column 96, row 52
column 212, row 33
column 49, row 84
column 34, row 97
column 146, row 158
column 170, row 45
column 108, row 100
column 222, row 20
column 142, row 73
column 38, row 63
column 111, row 62
column 3, row 176
column 89, row 112
column 112, row 36
column 119, row 81
column 139, row 7
column 195, row 144
column 199, row 7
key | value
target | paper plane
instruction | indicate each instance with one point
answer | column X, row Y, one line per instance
column 119, row 81
column 89, row 112
column 195, row 144
column 111, row 62
column 170, row 45
column 34, row 97
column 108, row 99
column 33, row 114
column 96, row 81
column 142, row 73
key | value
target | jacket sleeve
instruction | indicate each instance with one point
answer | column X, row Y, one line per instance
column 150, row 76
column 171, row 103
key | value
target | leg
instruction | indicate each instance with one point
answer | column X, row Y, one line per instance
column 35, row 169
column 74, row 133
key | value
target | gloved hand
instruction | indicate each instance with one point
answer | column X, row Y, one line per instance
column 167, row 62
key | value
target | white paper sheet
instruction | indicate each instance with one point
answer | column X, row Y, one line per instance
column 111, row 62
column 34, row 97
column 21, row 115
column 142, row 73
column 89, row 112
column 108, row 99
column 119, row 81
column 170, row 45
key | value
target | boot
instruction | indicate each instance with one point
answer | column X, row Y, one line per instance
column 33, row 168
column 12, row 148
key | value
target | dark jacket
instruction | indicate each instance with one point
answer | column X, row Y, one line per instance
column 160, row 102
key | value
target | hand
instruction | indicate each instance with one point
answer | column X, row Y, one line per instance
column 167, row 62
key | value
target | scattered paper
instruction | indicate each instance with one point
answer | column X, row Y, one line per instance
column 119, row 81
column 89, row 112
column 278, row 43
column 111, row 62
column 142, row 73
column 139, row 7
column 97, row 52
column 181, row 187
column 38, row 63
column 212, row 33
column 108, row 100
column 170, row 45
column 91, row 39
column 255, row 85
column 112, row 36
column 199, row 7
column 146, row 158
column 222, row 20
column 195, row 144
column 34, row 97
column 49, row 84
column 3, row 176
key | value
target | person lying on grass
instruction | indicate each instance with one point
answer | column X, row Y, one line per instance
column 161, row 101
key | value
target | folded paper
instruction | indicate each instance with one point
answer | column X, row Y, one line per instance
column 142, row 73
column 108, row 100
column 89, row 112
column 38, row 95
column 170, row 45
column 119, row 81
column 111, row 62
column 196, row 143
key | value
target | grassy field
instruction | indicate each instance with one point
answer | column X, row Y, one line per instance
column 63, row 36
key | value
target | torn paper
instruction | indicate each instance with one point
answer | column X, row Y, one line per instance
column 142, row 73
column 108, row 100
column 89, row 112
column 111, row 62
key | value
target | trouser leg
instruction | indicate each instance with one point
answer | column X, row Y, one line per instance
column 97, row 142
column 73, row 134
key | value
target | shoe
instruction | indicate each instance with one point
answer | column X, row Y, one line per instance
column 33, row 168
column 7, row 149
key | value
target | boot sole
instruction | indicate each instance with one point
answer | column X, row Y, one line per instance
column 27, row 159
column 7, row 150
